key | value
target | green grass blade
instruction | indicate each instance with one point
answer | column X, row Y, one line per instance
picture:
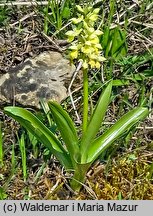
column 42, row 133
column 13, row 160
column 23, row 156
column 66, row 127
column 95, row 122
column 121, row 126
column 119, row 47
column 52, row 5
column 1, row 147
column 106, row 41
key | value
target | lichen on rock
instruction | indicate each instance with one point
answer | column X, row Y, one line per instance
column 44, row 76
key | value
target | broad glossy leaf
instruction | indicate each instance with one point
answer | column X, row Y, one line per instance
column 121, row 126
column 66, row 127
column 42, row 133
column 96, row 121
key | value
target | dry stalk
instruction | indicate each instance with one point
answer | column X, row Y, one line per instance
column 28, row 3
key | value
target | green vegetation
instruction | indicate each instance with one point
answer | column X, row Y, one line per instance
column 109, row 150
column 1, row 147
column 79, row 155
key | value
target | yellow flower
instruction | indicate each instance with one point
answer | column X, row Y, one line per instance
column 96, row 50
column 91, row 30
column 101, row 58
column 92, row 63
column 89, row 8
column 93, row 17
column 98, row 32
column 74, row 47
column 85, row 64
column 96, row 11
column 97, row 65
column 86, row 49
column 98, row 45
column 88, row 43
column 70, row 38
column 74, row 54
column 93, row 56
column 77, row 20
column 94, row 40
column 72, row 34
column 79, row 8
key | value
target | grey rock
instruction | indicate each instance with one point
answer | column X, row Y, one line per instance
column 44, row 76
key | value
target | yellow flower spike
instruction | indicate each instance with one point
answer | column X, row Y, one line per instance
column 86, row 45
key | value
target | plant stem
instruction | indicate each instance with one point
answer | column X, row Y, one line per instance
column 85, row 99
column 79, row 176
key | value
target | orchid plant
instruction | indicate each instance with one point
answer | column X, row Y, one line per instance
column 77, row 153
column 85, row 47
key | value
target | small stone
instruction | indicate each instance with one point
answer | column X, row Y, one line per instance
column 42, row 77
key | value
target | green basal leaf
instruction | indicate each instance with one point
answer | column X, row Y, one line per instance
column 121, row 126
column 67, row 129
column 96, row 121
column 38, row 129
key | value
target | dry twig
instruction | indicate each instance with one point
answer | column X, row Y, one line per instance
column 70, row 93
column 28, row 3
